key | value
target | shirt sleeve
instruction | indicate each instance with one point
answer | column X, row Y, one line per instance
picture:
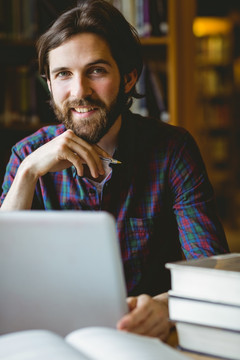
column 11, row 170
column 200, row 230
column 10, row 173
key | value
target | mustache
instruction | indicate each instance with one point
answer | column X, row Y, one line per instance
column 83, row 102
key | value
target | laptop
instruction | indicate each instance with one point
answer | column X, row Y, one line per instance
column 59, row 270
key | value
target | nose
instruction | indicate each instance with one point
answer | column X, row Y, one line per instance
column 80, row 87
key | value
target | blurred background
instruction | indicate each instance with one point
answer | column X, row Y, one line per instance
column 191, row 78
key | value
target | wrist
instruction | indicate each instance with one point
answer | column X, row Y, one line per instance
column 27, row 172
column 21, row 192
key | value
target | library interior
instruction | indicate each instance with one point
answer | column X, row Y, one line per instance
column 191, row 78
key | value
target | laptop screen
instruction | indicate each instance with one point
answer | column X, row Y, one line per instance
column 60, row 270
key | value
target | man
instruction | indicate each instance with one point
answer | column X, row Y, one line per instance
column 159, row 193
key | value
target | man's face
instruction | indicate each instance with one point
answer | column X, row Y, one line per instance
column 86, row 90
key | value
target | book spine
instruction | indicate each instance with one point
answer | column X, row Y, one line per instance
column 139, row 105
column 139, row 17
column 146, row 19
column 129, row 11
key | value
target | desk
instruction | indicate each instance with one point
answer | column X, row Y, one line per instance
column 173, row 342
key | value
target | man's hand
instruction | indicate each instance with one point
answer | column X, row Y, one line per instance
column 147, row 316
column 64, row 151
column 58, row 154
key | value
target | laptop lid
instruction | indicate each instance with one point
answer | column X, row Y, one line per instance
column 59, row 270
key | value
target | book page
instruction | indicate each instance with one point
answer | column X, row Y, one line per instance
column 37, row 345
column 107, row 344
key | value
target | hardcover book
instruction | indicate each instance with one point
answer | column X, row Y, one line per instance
column 209, row 340
column 215, row 278
column 204, row 312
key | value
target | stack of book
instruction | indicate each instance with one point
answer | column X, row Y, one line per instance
column 204, row 302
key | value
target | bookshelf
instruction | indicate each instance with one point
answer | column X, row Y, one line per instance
column 174, row 53
column 215, row 91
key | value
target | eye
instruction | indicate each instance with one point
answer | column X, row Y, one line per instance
column 97, row 71
column 63, row 74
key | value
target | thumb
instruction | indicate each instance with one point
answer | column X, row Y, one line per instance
column 132, row 302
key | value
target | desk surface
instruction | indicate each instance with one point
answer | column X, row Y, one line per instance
column 173, row 341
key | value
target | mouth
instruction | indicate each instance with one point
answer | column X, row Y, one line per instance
column 84, row 110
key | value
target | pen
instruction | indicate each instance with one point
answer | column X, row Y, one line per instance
column 110, row 160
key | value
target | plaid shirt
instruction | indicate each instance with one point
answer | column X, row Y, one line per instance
column 160, row 196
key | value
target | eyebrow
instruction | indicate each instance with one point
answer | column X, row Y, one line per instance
column 96, row 62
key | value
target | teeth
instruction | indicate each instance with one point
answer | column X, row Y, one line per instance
column 83, row 110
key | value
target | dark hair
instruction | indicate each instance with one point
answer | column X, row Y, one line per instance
column 101, row 18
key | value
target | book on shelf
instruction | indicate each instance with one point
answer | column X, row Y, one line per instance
column 204, row 312
column 152, row 84
column 20, row 98
column 156, row 90
column 140, row 105
column 25, row 19
column 214, row 50
column 128, row 8
column 139, row 17
column 214, row 278
column 158, row 17
column 212, row 83
column 19, row 19
column 214, row 115
column 212, row 341
column 149, row 17
column 92, row 343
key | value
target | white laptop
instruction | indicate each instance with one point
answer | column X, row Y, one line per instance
column 59, row 270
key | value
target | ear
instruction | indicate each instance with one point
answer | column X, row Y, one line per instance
column 130, row 80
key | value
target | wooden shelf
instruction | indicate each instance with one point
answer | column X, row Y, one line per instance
column 154, row 40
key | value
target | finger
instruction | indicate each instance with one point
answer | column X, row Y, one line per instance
column 159, row 330
column 82, row 153
column 101, row 152
column 66, row 159
column 88, row 153
column 139, row 314
column 157, row 324
column 91, row 161
column 132, row 302
column 98, row 153
column 96, row 150
column 149, row 326
column 154, row 324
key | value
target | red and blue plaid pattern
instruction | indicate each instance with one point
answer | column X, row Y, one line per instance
column 160, row 196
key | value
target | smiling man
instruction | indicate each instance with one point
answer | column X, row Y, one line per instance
column 85, row 86
column 159, row 194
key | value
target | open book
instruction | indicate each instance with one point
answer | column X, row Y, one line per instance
column 92, row 343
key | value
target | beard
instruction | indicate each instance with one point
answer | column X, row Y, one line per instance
column 94, row 128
